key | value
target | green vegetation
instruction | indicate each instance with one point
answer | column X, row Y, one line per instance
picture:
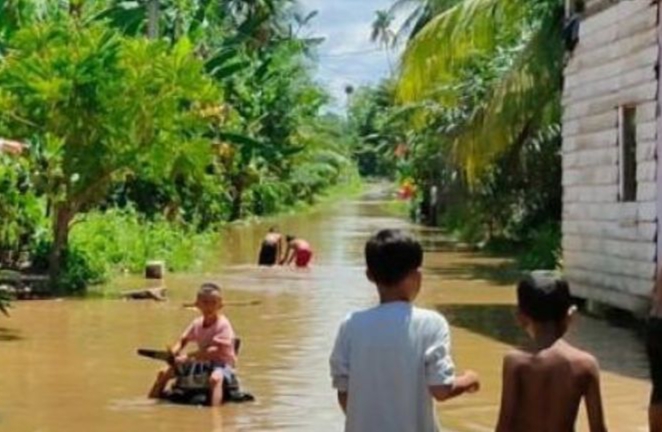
column 478, row 120
column 140, row 147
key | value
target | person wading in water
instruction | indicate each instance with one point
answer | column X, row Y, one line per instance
column 271, row 249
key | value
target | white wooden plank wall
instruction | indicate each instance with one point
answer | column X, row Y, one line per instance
column 610, row 246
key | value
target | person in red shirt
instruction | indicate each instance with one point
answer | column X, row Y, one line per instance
column 299, row 251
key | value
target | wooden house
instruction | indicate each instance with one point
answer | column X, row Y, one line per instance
column 611, row 138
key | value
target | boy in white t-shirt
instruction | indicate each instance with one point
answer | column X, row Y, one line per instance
column 391, row 361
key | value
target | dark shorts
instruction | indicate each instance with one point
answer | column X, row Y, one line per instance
column 654, row 350
column 268, row 254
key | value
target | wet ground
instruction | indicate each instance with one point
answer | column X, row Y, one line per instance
column 70, row 366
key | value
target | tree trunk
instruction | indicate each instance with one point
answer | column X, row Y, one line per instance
column 237, row 201
column 62, row 216
column 153, row 19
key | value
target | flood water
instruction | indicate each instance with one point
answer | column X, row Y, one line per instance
column 70, row 365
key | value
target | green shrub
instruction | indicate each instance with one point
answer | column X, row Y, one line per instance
column 102, row 244
column 543, row 248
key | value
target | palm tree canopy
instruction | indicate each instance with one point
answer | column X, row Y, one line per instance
column 525, row 93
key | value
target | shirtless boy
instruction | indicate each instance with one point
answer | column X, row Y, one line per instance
column 271, row 249
column 544, row 385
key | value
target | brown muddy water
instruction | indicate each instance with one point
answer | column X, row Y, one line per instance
column 69, row 366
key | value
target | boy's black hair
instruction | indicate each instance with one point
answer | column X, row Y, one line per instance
column 391, row 255
column 209, row 288
column 544, row 298
column 289, row 238
column 273, row 229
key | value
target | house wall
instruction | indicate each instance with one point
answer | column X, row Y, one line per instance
column 610, row 247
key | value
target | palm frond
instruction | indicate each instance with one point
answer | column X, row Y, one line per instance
column 523, row 100
column 519, row 99
column 448, row 40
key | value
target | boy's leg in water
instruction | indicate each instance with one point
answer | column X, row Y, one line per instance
column 161, row 382
column 216, row 387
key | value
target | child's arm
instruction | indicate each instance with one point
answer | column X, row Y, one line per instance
column 178, row 346
column 442, row 382
column 466, row 383
column 593, row 400
column 508, row 396
column 339, row 364
column 286, row 256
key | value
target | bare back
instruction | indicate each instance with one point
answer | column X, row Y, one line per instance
column 272, row 238
column 542, row 391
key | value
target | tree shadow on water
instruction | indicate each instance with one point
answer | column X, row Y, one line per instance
column 619, row 349
column 9, row 335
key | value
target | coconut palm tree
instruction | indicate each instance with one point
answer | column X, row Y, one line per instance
column 419, row 13
column 525, row 96
column 384, row 34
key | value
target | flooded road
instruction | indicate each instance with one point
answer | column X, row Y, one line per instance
column 70, row 366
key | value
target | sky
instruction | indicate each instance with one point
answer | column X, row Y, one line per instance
column 347, row 57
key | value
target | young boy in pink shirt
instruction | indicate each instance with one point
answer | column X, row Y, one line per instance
column 214, row 336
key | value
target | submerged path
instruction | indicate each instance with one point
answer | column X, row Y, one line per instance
column 69, row 366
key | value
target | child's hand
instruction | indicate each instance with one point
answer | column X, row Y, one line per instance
column 181, row 359
column 473, row 381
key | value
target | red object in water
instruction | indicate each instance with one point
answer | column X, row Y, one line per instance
column 406, row 191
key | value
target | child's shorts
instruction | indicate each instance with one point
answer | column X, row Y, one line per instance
column 303, row 257
column 654, row 350
column 225, row 370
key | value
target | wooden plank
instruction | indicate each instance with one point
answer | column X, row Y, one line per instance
column 624, row 29
column 614, row 211
column 623, row 88
column 647, row 131
column 638, row 61
column 600, row 175
column 612, row 16
column 637, row 251
column 642, row 95
column 643, row 231
column 616, row 282
column 596, row 123
column 637, row 304
column 647, row 171
column 607, row 53
column 603, row 156
column 607, row 264
column 590, row 194
column 593, row 140
column 646, row 151
column 646, row 191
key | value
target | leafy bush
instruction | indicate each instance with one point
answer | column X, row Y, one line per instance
column 103, row 244
column 543, row 248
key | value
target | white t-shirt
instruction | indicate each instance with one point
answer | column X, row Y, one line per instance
column 386, row 358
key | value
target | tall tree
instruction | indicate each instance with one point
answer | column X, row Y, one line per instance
column 525, row 96
column 383, row 34
column 119, row 106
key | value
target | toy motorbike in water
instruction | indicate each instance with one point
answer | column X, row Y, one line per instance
column 191, row 386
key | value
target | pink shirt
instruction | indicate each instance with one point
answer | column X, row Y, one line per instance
column 219, row 333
